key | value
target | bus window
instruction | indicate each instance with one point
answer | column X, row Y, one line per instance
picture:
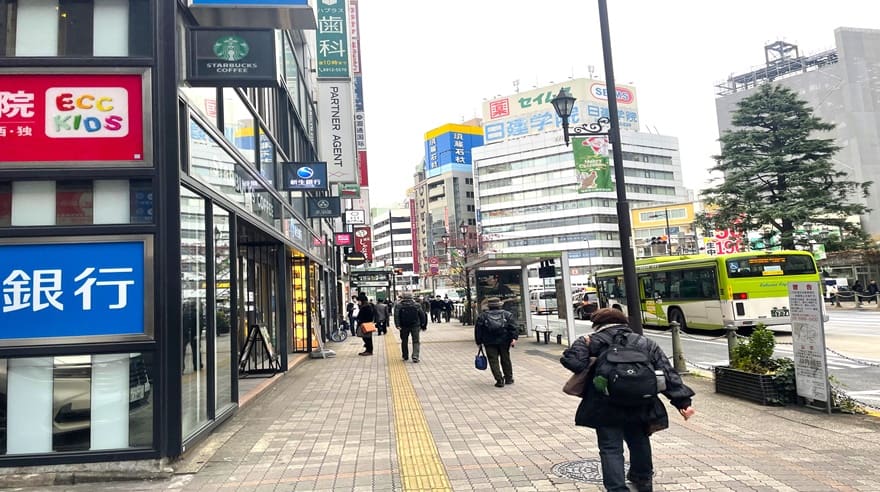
column 708, row 284
column 762, row 266
column 661, row 285
column 647, row 286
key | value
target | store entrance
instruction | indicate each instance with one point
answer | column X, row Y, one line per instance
column 258, row 296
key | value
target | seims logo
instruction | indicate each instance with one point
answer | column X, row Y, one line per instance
column 305, row 172
column 624, row 95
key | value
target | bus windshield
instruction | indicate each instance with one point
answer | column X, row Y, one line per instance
column 762, row 266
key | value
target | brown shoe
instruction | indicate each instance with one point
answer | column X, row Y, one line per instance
column 365, row 353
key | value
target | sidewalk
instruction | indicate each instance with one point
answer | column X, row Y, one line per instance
column 378, row 423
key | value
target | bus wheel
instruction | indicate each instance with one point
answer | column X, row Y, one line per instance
column 675, row 315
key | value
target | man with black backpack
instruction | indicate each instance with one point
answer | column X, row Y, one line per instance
column 409, row 318
column 626, row 373
column 497, row 332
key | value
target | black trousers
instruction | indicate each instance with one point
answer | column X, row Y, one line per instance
column 495, row 352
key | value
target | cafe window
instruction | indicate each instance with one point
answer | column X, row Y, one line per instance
column 75, row 28
column 238, row 124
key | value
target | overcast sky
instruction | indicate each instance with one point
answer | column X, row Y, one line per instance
column 429, row 63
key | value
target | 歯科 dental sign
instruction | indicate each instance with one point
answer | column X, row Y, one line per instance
column 69, row 118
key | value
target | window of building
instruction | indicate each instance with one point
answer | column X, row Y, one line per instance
column 193, row 312
column 75, row 28
column 238, row 124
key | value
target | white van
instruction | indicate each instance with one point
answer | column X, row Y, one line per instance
column 542, row 301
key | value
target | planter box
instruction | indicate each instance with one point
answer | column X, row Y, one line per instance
column 758, row 388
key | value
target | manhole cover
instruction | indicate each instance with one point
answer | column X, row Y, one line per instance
column 581, row 470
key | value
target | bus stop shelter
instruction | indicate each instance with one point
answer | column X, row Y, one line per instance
column 492, row 262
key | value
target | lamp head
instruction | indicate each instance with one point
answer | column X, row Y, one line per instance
column 563, row 103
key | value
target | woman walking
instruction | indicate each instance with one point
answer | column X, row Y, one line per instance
column 366, row 314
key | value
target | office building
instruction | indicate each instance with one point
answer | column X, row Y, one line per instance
column 393, row 231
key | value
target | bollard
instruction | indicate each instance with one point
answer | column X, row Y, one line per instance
column 559, row 338
column 731, row 340
column 677, row 353
column 858, row 299
column 836, row 300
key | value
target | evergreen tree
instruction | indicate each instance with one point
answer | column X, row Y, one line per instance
column 779, row 173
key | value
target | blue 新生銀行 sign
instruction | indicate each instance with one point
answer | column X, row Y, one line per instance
column 72, row 289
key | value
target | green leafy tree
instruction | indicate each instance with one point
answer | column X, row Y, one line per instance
column 779, row 173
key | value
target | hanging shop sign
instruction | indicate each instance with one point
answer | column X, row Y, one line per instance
column 355, row 217
column 355, row 258
column 343, row 239
column 349, row 190
column 231, row 58
column 336, row 122
column 323, row 207
column 332, row 39
column 305, row 176
column 74, row 289
column 74, row 119
column 363, row 241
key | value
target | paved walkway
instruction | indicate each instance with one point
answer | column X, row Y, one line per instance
column 378, row 423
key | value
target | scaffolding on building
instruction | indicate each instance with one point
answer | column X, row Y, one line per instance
column 782, row 59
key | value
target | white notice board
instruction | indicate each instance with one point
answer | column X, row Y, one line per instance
column 808, row 340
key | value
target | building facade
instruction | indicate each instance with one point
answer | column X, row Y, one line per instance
column 839, row 86
column 667, row 229
column 150, row 255
column 392, row 233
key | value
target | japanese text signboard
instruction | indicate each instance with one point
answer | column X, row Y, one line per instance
column 73, row 118
column 363, row 241
column 448, row 148
column 332, row 39
column 531, row 112
column 323, row 207
column 808, row 341
column 591, row 164
column 309, row 176
column 61, row 292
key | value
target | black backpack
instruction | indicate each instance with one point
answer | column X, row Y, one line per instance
column 625, row 373
column 495, row 323
column 409, row 315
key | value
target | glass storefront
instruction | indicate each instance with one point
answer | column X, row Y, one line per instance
column 193, row 311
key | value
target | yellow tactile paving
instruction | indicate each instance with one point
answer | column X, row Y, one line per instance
column 420, row 464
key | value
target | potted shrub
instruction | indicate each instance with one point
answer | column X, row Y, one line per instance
column 754, row 374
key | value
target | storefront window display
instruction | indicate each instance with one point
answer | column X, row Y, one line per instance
column 194, row 378
column 504, row 284
column 300, row 304
column 223, row 311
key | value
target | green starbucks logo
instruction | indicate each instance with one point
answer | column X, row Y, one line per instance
column 231, row 48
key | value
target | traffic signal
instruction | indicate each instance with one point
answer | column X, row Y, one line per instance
column 547, row 269
column 659, row 240
column 398, row 271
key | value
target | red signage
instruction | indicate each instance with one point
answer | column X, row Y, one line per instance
column 342, row 238
column 71, row 118
column 362, row 168
column 363, row 242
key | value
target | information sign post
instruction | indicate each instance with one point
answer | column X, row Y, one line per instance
column 808, row 340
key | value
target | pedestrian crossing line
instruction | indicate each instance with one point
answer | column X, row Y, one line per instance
column 420, row 465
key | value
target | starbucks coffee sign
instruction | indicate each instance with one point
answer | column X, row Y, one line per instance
column 231, row 58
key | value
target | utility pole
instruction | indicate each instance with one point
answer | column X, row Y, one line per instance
column 393, row 267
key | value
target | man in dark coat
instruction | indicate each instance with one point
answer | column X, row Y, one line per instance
column 410, row 319
column 497, row 332
column 615, row 424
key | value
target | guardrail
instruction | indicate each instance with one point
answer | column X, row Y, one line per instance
column 857, row 298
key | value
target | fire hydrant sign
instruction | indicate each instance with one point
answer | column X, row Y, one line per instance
column 808, row 340
column 66, row 118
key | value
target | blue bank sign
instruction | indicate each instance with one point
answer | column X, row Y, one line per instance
column 61, row 291
column 304, row 176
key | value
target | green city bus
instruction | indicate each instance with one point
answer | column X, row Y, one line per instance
column 711, row 292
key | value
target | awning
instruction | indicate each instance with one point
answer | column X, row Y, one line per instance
column 256, row 16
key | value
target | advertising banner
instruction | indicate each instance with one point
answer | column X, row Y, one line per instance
column 355, row 217
column 505, row 285
column 363, row 241
column 58, row 292
column 413, row 231
column 332, row 39
column 363, row 173
column 337, row 125
column 73, row 118
column 304, row 176
column 723, row 242
column 231, row 58
column 434, row 265
column 808, row 341
column 531, row 112
column 591, row 164
column 323, row 207
column 354, row 25
column 448, row 148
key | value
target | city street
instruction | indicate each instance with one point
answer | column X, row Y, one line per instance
column 852, row 339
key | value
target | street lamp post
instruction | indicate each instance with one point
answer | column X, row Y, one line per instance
column 563, row 103
column 463, row 228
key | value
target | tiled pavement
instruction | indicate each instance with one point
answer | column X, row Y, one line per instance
column 334, row 424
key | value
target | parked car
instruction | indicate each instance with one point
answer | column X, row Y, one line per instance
column 585, row 302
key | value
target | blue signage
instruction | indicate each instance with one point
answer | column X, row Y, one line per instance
column 450, row 152
column 305, row 176
column 250, row 3
column 53, row 290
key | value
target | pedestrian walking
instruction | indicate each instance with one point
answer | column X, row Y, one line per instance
column 620, row 396
column 410, row 319
column 366, row 314
column 447, row 308
column 351, row 309
column 497, row 332
column 436, row 309
column 872, row 290
column 381, row 318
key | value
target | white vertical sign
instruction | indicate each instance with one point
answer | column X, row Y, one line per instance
column 808, row 340
column 336, row 123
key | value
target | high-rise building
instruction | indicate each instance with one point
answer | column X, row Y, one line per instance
column 392, row 231
column 840, row 87
column 530, row 195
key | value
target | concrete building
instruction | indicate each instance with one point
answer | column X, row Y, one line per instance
column 841, row 86
column 444, row 193
column 394, row 228
column 529, row 202
column 667, row 229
